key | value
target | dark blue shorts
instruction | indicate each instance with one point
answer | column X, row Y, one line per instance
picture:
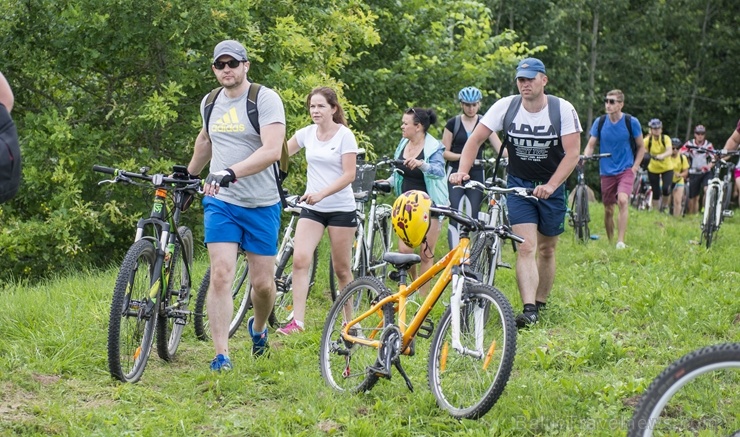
column 254, row 229
column 341, row 219
column 548, row 214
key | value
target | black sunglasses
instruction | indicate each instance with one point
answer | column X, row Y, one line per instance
column 219, row 65
column 612, row 101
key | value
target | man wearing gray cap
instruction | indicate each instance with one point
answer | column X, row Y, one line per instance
column 542, row 137
column 241, row 202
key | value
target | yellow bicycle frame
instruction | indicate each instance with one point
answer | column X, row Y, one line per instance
column 455, row 257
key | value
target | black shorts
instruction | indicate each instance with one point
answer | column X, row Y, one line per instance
column 341, row 219
column 696, row 182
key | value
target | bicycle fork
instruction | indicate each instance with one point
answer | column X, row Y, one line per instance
column 458, row 282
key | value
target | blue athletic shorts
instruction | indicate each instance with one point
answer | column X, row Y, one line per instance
column 548, row 214
column 254, row 229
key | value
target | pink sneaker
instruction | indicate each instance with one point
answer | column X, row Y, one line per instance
column 290, row 328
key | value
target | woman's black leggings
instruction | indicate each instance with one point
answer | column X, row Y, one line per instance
column 655, row 179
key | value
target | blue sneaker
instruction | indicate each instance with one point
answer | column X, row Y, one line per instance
column 221, row 362
column 259, row 340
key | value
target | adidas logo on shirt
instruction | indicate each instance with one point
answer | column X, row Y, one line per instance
column 229, row 122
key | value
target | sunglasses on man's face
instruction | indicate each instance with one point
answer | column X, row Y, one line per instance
column 219, row 65
column 611, row 101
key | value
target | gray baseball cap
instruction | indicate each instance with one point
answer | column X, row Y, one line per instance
column 231, row 48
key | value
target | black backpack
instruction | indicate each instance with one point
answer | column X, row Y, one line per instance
column 628, row 121
column 280, row 167
column 10, row 157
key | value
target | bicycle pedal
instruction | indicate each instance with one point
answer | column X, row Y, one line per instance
column 426, row 329
column 728, row 213
column 380, row 371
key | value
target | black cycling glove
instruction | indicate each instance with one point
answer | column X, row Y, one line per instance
column 222, row 178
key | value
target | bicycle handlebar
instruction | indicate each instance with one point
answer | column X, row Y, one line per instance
column 518, row 191
column 595, row 157
column 472, row 224
column 158, row 180
column 714, row 152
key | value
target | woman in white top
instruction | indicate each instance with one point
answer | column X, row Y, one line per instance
column 329, row 203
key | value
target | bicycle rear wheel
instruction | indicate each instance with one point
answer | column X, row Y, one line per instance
column 282, row 311
column 467, row 384
column 697, row 393
column 380, row 245
column 581, row 209
column 484, row 256
column 239, row 293
column 130, row 330
column 344, row 365
column 173, row 310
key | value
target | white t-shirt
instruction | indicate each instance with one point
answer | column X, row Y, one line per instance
column 324, row 160
column 537, row 152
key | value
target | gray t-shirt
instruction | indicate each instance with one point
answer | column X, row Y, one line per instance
column 234, row 140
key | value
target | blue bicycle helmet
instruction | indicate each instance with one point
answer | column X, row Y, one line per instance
column 470, row 95
column 676, row 142
column 655, row 123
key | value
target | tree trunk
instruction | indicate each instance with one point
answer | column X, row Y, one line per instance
column 697, row 68
column 592, row 72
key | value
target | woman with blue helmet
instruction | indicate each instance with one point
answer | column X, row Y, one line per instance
column 455, row 135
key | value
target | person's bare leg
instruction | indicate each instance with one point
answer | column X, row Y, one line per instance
column 427, row 252
column 545, row 265
column 623, row 215
column 308, row 233
column 609, row 221
column 219, row 303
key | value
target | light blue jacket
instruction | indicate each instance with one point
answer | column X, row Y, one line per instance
column 435, row 177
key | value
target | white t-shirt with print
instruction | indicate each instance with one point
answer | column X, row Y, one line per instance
column 324, row 160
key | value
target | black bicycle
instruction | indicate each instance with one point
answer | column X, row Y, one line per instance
column 695, row 394
column 152, row 291
column 579, row 216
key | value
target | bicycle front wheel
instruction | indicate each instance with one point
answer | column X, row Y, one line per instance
column 130, row 328
column 173, row 309
column 697, row 393
column 239, row 294
column 468, row 378
column 343, row 364
column 282, row 311
column 710, row 213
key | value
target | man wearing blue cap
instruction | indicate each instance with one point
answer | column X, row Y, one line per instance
column 542, row 137
column 241, row 202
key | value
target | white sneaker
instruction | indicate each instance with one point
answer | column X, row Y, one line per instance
column 621, row 245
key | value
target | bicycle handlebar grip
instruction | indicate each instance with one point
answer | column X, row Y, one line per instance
column 102, row 169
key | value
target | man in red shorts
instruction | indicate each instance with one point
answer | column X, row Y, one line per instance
column 619, row 170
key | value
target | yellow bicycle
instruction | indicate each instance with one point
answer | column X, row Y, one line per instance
column 472, row 350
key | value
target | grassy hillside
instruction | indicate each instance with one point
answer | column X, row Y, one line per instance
column 614, row 321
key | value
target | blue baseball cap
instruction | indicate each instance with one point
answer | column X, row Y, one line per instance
column 529, row 68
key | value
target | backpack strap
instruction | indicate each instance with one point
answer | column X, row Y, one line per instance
column 208, row 108
column 252, row 111
column 456, row 129
column 553, row 111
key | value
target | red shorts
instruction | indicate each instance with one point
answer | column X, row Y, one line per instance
column 613, row 185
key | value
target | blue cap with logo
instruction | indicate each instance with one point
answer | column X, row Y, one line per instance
column 529, row 67
column 231, row 48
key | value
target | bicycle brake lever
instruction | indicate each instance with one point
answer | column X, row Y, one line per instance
column 107, row 181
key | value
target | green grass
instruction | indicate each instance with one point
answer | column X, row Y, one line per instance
column 614, row 321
